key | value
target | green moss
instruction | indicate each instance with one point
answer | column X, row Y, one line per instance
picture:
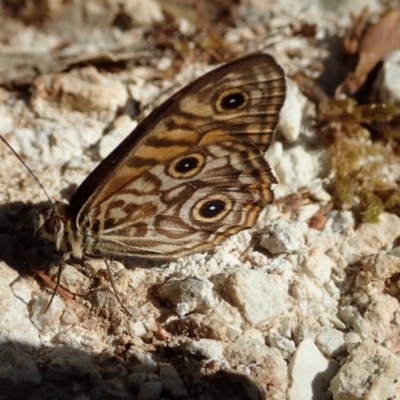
column 360, row 158
column 372, row 206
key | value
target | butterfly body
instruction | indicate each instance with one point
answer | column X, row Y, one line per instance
column 190, row 175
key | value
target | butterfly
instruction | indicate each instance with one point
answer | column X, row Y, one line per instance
column 190, row 175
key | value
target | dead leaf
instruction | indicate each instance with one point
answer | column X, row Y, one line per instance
column 378, row 41
column 319, row 219
column 351, row 42
column 195, row 11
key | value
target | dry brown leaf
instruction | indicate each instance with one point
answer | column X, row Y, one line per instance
column 378, row 41
column 351, row 42
column 320, row 218
column 195, row 11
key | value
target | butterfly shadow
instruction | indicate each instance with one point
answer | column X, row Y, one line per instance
column 19, row 246
column 65, row 372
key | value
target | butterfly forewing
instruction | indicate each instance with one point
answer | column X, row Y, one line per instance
column 191, row 174
column 190, row 117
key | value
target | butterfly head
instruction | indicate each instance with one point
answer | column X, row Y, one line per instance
column 51, row 224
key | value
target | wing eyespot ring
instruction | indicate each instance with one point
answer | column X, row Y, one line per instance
column 186, row 166
column 231, row 100
column 212, row 208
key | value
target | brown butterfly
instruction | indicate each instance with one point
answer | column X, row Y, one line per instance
column 189, row 176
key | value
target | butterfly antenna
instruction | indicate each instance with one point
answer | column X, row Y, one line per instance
column 26, row 166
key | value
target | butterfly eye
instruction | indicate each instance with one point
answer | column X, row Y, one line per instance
column 212, row 209
column 187, row 166
column 231, row 100
column 53, row 225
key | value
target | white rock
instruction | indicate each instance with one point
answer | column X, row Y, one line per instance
column 310, row 373
column 318, row 192
column 333, row 320
column 320, row 240
column 304, row 289
column 6, row 122
column 79, row 337
column 205, row 348
column 232, row 332
column 304, row 213
column 214, row 325
column 143, row 92
column 339, row 222
column 58, row 144
column 277, row 266
column 284, row 237
column 387, row 81
column 331, row 342
column 352, row 340
column 274, row 153
column 226, row 310
column 82, row 90
column 188, row 295
column 144, row 11
column 381, row 266
column 122, row 127
column 298, row 166
column 379, row 312
column 343, row 7
column 16, row 288
column 350, row 315
column 145, row 362
column 22, row 142
column 370, row 237
column 371, row 372
column 319, row 265
column 250, row 348
column 283, row 344
column 186, row 28
column 137, row 328
column 246, row 288
column 316, row 8
column 70, row 317
column 306, row 329
column 292, row 112
column 71, row 279
column 381, row 309
column 46, row 322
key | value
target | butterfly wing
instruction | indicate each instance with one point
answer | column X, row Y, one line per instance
column 237, row 103
column 188, row 204
column 240, row 100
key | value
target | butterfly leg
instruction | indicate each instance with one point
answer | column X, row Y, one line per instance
column 42, row 275
column 114, row 288
column 57, row 287
column 255, row 239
